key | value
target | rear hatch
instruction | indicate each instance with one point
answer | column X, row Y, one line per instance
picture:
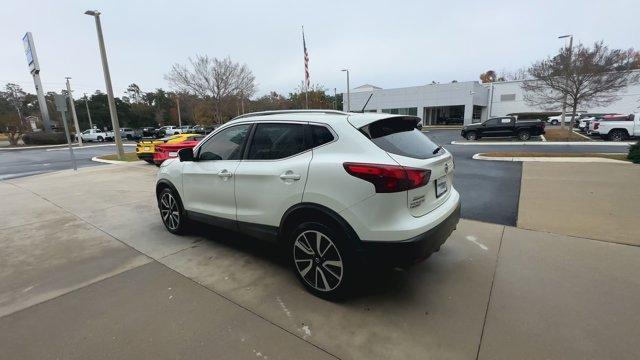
column 409, row 147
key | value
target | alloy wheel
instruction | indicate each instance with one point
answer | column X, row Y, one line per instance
column 169, row 211
column 318, row 260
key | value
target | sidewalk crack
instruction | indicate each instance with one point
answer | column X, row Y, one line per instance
column 493, row 278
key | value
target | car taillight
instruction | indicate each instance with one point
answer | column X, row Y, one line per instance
column 389, row 178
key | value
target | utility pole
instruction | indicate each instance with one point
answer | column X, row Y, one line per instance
column 335, row 98
column 564, row 101
column 178, row 106
column 107, row 80
column 348, row 92
column 73, row 112
column 61, row 105
column 86, row 103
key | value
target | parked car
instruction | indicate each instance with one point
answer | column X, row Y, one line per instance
column 616, row 127
column 146, row 148
column 583, row 121
column 202, row 129
column 170, row 150
column 337, row 190
column 149, row 132
column 127, row 133
column 506, row 126
column 96, row 135
column 169, row 130
column 555, row 120
column 185, row 128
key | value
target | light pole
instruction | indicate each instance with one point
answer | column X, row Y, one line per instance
column 86, row 103
column 107, row 80
column 73, row 112
column 348, row 91
column 564, row 101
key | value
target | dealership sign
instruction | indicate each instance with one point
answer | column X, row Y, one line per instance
column 30, row 52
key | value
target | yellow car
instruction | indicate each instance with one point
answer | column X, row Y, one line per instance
column 146, row 148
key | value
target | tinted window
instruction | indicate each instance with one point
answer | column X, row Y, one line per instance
column 400, row 136
column 276, row 141
column 320, row 135
column 491, row 122
column 225, row 145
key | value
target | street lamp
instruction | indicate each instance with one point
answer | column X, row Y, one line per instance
column 564, row 102
column 348, row 91
column 107, row 80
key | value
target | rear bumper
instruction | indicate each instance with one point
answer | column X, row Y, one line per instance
column 145, row 156
column 413, row 250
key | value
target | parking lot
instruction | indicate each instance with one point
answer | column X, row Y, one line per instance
column 104, row 279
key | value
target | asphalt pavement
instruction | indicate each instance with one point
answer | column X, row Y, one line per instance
column 490, row 190
column 25, row 162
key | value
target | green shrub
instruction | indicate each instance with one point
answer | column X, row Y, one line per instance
column 634, row 153
column 44, row 138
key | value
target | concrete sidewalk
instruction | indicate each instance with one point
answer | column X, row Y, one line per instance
column 596, row 201
column 104, row 279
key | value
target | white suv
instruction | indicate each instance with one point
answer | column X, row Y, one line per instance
column 338, row 190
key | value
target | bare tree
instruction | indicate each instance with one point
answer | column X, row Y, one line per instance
column 219, row 80
column 585, row 77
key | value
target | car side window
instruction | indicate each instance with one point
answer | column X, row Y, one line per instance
column 273, row 141
column 225, row 145
column 320, row 135
column 491, row 122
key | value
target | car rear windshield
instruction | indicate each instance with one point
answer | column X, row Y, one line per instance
column 398, row 135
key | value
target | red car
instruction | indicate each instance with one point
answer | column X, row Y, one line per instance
column 168, row 151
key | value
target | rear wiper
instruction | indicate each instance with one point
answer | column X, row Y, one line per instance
column 435, row 151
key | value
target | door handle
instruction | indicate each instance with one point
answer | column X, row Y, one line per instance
column 225, row 174
column 289, row 175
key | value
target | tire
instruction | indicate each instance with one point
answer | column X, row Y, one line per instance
column 617, row 135
column 524, row 135
column 171, row 211
column 554, row 122
column 472, row 135
column 129, row 137
column 327, row 268
column 100, row 139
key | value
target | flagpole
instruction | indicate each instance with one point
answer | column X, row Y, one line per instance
column 306, row 71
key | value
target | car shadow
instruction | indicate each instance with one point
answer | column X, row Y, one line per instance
column 373, row 282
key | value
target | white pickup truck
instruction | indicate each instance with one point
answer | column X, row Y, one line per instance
column 616, row 127
column 96, row 135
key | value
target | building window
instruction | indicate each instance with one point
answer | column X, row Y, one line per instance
column 477, row 113
column 508, row 97
column 402, row 111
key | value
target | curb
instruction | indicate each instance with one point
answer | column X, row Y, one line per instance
column 116, row 162
column 550, row 159
column 546, row 143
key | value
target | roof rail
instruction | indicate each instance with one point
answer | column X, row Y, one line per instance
column 275, row 112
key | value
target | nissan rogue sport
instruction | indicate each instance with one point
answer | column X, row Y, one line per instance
column 338, row 190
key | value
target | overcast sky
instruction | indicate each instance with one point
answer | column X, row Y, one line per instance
column 385, row 43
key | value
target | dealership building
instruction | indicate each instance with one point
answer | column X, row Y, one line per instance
column 468, row 102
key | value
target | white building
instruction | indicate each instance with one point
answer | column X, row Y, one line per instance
column 467, row 102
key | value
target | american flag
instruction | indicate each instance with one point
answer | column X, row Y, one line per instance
column 306, row 61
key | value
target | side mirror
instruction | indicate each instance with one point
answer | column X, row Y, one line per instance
column 186, row 154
